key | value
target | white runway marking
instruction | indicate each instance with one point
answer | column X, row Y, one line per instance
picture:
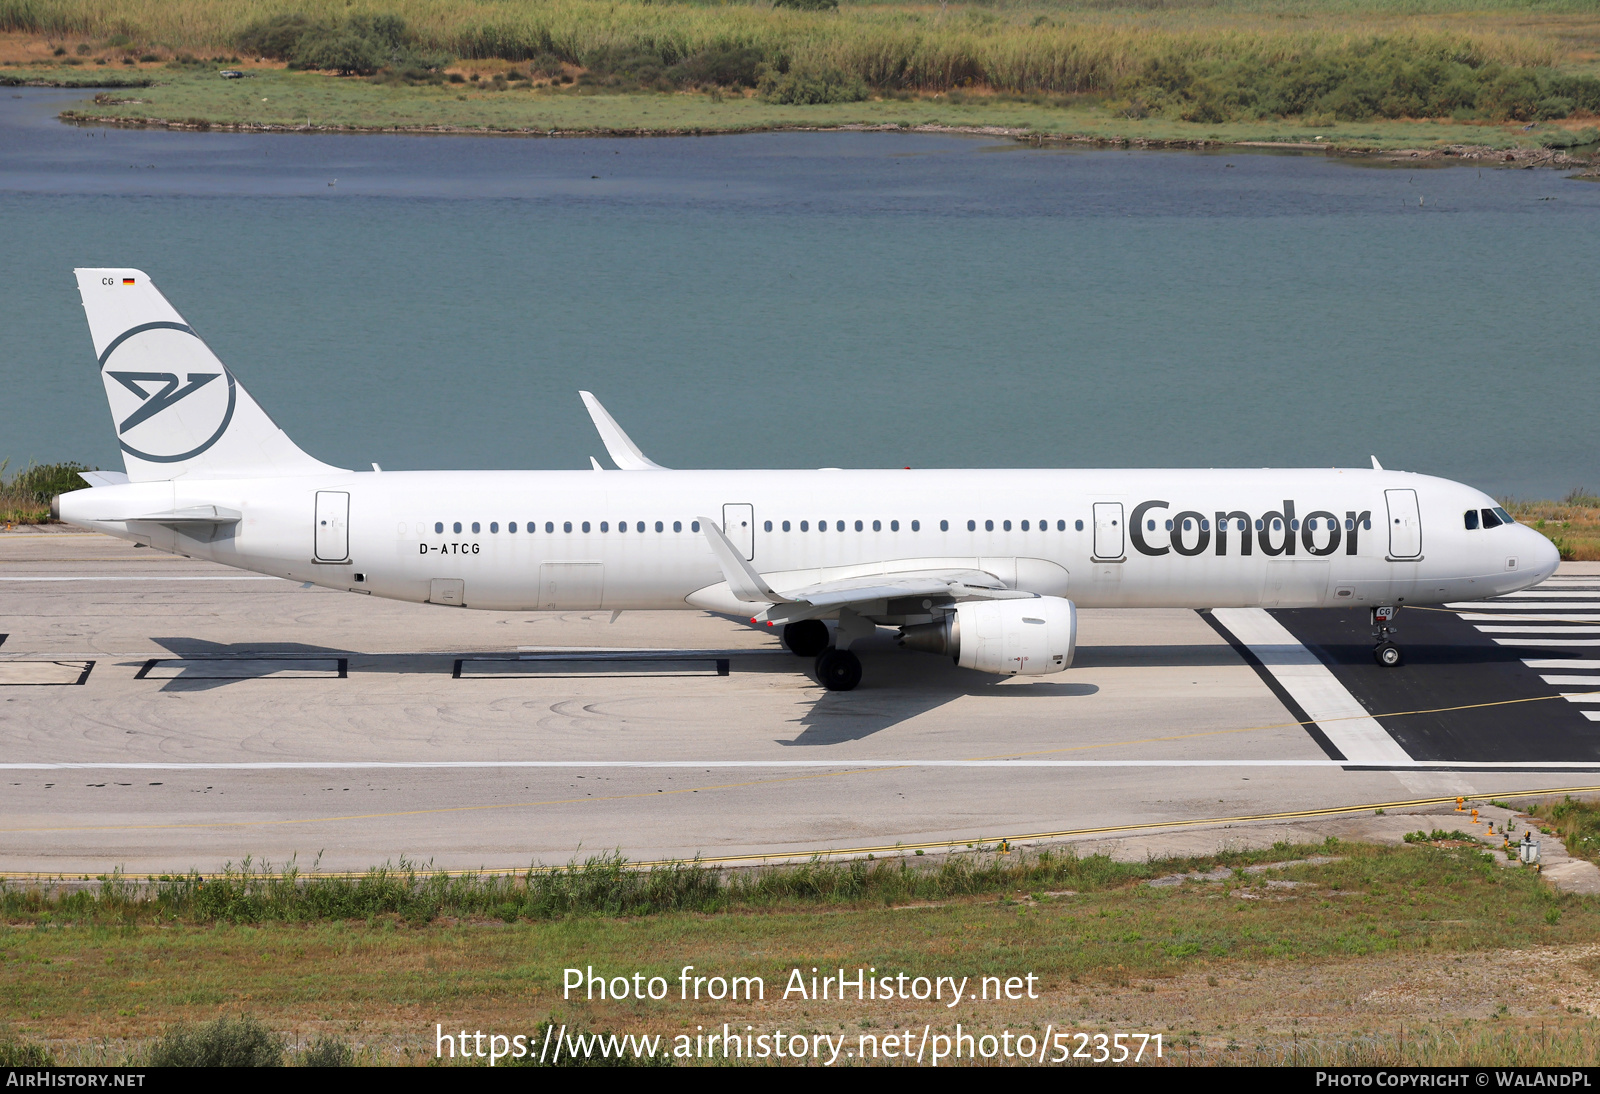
column 149, row 577
column 1547, row 594
column 1579, row 629
column 1508, row 617
column 1542, row 605
column 1545, row 642
column 712, row 765
column 1308, row 681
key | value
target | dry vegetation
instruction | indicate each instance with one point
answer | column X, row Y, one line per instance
column 1418, row 954
column 1573, row 523
column 1204, row 63
column 25, row 496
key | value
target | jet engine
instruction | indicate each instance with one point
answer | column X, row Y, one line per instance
column 1032, row 637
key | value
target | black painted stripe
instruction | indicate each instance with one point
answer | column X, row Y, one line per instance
column 1297, row 711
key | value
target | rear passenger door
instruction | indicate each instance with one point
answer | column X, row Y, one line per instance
column 333, row 526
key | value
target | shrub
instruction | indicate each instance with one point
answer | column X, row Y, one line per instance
column 25, row 1054
column 226, row 1042
column 359, row 45
column 328, row 1051
column 276, row 38
column 623, row 67
column 722, row 68
column 806, row 89
column 807, row 5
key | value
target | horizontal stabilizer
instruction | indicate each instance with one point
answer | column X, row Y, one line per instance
column 624, row 453
column 104, row 478
column 194, row 514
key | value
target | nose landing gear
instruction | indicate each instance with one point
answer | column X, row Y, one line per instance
column 1386, row 653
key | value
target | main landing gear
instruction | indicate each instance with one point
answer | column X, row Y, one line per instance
column 838, row 670
column 1386, row 653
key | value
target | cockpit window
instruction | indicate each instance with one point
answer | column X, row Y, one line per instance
column 1491, row 519
column 1505, row 517
column 1472, row 519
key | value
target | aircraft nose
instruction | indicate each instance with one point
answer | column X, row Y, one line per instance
column 1543, row 555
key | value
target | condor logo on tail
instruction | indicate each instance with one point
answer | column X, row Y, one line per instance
column 164, row 402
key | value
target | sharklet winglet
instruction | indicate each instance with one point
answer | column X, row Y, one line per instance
column 624, row 453
column 743, row 581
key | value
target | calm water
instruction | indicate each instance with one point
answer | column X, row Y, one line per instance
column 799, row 300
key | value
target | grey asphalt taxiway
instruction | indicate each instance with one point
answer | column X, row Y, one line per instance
column 161, row 714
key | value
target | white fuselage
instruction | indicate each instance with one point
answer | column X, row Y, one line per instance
column 1100, row 537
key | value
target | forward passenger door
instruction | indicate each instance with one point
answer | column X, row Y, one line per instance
column 1405, row 524
column 1108, row 530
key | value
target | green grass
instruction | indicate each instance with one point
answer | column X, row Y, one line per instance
column 76, row 972
column 295, row 100
column 1181, row 63
column 25, row 496
column 1576, row 822
column 1572, row 524
column 603, row 885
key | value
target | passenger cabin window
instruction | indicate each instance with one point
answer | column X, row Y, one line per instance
column 438, row 528
column 944, row 526
column 785, row 526
column 677, row 526
column 916, row 525
column 877, row 526
column 1006, row 525
column 838, row 526
column 1077, row 525
column 694, row 526
column 1471, row 518
column 805, row 526
column 585, row 526
column 659, row 526
column 988, row 526
column 512, row 527
column 858, row 526
column 972, row 526
column 894, row 526
column 494, row 526
column 457, row 527
column 1490, row 520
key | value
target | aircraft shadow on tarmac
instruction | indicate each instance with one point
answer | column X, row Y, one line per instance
column 898, row 686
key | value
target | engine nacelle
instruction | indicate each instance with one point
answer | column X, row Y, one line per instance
column 1032, row 637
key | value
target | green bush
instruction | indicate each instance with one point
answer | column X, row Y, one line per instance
column 25, row 1054
column 226, row 1042
column 1381, row 78
column 357, row 45
column 810, row 88
column 276, row 38
column 807, row 5
column 722, row 68
column 328, row 1051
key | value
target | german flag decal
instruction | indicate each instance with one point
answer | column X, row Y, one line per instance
column 127, row 281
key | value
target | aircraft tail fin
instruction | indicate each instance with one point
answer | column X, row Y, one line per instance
column 177, row 410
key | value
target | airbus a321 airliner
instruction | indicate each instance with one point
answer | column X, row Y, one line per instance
column 987, row 567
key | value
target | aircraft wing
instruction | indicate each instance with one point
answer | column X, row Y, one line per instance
column 808, row 602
